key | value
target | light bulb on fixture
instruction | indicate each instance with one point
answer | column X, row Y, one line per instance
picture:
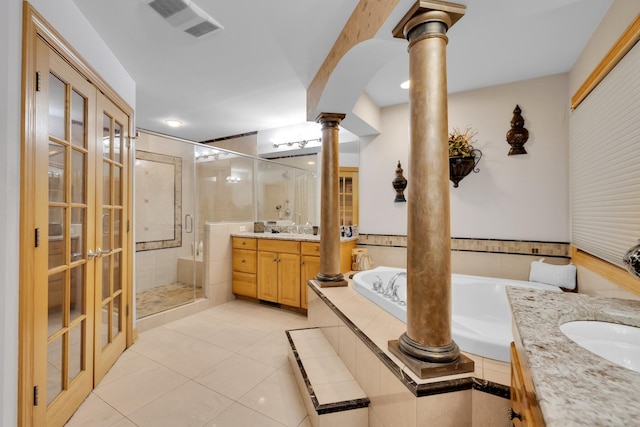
column 173, row 123
column 405, row 85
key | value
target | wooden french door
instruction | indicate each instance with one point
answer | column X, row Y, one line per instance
column 80, row 255
column 110, row 334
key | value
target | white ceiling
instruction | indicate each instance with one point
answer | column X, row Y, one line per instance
column 252, row 76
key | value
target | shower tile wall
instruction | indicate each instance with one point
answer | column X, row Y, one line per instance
column 160, row 267
column 155, row 268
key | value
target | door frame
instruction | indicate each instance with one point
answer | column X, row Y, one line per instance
column 34, row 26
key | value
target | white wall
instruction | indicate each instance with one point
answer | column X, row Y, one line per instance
column 64, row 15
column 621, row 13
column 522, row 197
column 10, row 51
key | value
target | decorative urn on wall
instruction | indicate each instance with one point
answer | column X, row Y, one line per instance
column 399, row 184
column 518, row 134
column 463, row 157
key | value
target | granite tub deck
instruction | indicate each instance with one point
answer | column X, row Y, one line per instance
column 573, row 386
column 359, row 331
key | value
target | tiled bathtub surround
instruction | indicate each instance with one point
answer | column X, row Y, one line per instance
column 359, row 331
column 509, row 259
column 574, row 387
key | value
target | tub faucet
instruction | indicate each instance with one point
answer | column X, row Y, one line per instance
column 392, row 288
column 377, row 284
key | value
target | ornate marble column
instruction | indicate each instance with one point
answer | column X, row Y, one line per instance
column 428, row 336
column 329, row 274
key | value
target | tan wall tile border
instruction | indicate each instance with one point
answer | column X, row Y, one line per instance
column 514, row 247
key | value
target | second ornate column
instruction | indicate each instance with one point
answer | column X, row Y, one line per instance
column 428, row 336
column 329, row 274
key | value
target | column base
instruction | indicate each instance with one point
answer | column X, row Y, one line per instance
column 424, row 370
column 330, row 280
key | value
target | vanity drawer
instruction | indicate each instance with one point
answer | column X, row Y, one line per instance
column 244, row 260
column 280, row 246
column 244, row 243
column 244, row 284
column 310, row 248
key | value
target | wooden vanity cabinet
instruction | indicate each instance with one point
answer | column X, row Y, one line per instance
column 279, row 271
column 524, row 411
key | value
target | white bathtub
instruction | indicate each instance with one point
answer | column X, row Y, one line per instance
column 481, row 317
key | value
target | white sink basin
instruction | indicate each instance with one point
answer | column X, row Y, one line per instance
column 617, row 343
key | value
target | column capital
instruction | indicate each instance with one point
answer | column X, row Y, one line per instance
column 326, row 119
column 429, row 10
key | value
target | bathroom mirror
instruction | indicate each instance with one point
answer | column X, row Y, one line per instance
column 158, row 201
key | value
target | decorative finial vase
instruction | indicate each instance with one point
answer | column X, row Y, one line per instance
column 631, row 260
column 518, row 134
column 399, row 184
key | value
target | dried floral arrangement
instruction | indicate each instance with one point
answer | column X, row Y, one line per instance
column 461, row 143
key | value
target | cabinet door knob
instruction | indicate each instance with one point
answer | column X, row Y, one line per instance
column 242, row 261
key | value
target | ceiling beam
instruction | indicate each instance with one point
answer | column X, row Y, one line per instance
column 363, row 24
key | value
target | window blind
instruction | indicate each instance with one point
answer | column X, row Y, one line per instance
column 604, row 138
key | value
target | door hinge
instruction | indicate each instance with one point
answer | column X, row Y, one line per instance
column 35, row 395
column 128, row 225
column 37, row 81
column 127, row 310
column 37, row 238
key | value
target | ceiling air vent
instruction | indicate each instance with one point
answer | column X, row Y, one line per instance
column 186, row 16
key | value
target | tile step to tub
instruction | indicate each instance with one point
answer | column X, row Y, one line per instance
column 330, row 393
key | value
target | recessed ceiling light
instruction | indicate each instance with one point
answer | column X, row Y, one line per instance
column 311, row 163
column 173, row 123
column 405, row 85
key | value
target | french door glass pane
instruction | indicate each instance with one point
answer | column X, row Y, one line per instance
column 106, row 135
column 106, row 179
column 78, row 177
column 55, row 302
column 57, row 97
column 78, row 119
column 106, row 229
column 57, row 242
column 78, row 237
column 77, row 307
column 57, row 163
column 117, row 259
column 117, row 239
column 106, row 273
column 54, row 369
column 104, row 340
column 115, row 318
column 76, row 350
column 117, row 142
column 117, row 191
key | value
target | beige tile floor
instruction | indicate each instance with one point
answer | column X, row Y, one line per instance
column 226, row 366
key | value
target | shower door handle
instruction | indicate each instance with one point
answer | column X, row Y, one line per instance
column 188, row 223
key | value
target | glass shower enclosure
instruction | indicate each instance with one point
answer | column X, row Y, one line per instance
column 179, row 188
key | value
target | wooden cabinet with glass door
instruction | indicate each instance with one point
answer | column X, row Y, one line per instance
column 348, row 194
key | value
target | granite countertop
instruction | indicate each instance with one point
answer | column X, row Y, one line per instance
column 287, row 236
column 575, row 387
